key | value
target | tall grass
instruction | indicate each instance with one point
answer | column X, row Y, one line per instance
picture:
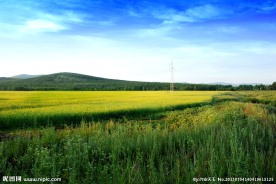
column 230, row 139
column 263, row 97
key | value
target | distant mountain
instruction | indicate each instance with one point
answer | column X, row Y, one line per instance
column 25, row 76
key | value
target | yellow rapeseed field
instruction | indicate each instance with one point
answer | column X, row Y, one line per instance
column 31, row 106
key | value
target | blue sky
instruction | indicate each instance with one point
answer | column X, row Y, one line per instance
column 208, row 40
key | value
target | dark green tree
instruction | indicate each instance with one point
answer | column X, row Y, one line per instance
column 273, row 86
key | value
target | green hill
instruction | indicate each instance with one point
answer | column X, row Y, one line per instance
column 74, row 81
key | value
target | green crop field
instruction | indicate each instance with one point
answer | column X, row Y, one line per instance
column 139, row 137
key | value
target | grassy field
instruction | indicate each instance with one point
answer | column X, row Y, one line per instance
column 223, row 135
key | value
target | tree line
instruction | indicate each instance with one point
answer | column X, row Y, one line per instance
column 131, row 86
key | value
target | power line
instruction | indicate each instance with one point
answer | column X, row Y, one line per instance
column 172, row 77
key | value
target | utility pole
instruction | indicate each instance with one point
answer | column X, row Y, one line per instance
column 172, row 83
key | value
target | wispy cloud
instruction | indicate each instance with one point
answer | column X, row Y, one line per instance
column 193, row 14
column 158, row 32
column 35, row 18
column 46, row 22
column 203, row 12
column 267, row 8
column 42, row 25
column 41, row 22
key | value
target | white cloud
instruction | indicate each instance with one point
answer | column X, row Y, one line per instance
column 42, row 25
column 159, row 32
column 176, row 18
column 37, row 21
column 203, row 12
column 53, row 22
column 194, row 14
column 268, row 7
